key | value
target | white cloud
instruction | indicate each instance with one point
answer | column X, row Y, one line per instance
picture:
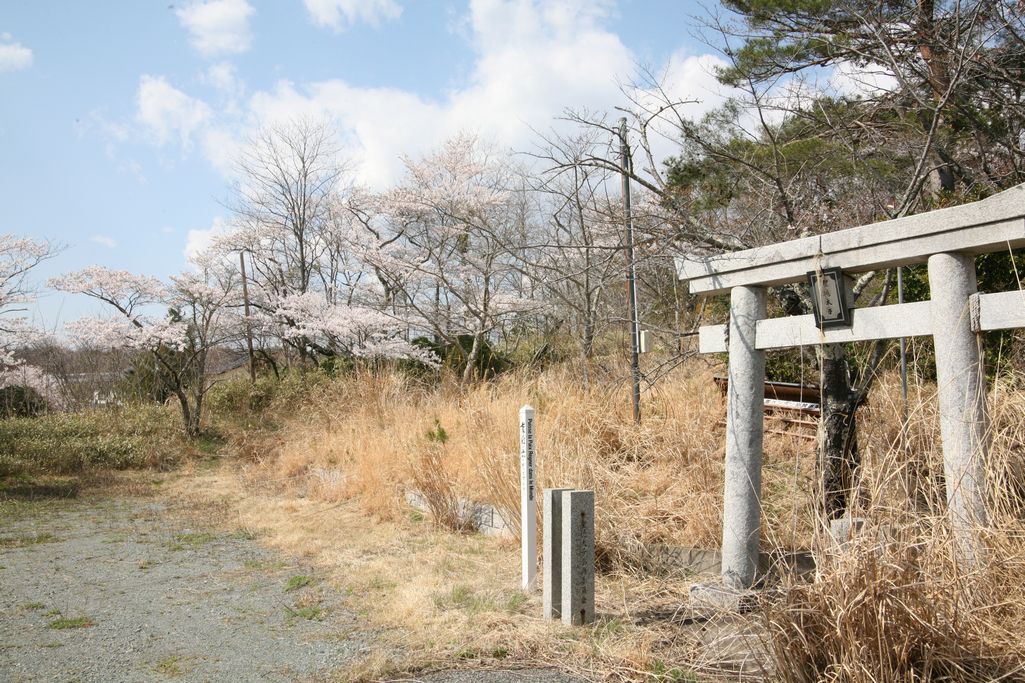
column 217, row 27
column 197, row 241
column 220, row 147
column 341, row 14
column 103, row 241
column 14, row 56
column 224, row 77
column 165, row 111
column 533, row 60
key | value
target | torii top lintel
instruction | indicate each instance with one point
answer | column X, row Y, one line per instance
column 992, row 224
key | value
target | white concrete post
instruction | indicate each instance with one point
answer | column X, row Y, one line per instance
column 961, row 381
column 528, row 511
column 745, row 409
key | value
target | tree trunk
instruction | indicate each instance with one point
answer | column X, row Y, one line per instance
column 190, row 419
column 471, row 360
column 838, row 446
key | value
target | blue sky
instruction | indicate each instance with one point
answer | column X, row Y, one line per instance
column 119, row 119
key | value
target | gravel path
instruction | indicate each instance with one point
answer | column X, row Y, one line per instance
column 121, row 591
column 125, row 590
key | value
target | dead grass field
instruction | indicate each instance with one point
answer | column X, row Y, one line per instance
column 330, row 486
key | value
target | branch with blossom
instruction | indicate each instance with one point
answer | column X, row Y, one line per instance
column 353, row 330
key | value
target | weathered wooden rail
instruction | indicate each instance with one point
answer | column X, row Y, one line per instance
column 795, row 405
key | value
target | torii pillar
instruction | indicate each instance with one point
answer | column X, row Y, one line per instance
column 745, row 412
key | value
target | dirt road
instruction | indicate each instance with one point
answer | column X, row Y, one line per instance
column 132, row 589
column 121, row 590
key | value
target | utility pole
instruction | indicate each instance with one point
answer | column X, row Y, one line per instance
column 245, row 304
column 631, row 272
column 903, row 362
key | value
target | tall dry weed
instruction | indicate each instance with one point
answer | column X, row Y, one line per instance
column 898, row 603
column 658, row 482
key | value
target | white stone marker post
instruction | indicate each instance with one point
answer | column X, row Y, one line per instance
column 577, row 557
column 528, row 511
column 745, row 410
column 551, row 554
column 960, row 377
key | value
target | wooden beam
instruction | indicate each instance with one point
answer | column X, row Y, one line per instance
column 980, row 227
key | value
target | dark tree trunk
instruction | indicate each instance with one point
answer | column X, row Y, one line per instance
column 838, row 447
column 190, row 418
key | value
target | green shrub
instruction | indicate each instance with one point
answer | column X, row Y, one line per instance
column 489, row 362
column 21, row 402
column 239, row 395
column 131, row 436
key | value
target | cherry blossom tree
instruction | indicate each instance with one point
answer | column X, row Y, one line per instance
column 460, row 214
column 339, row 329
column 179, row 342
column 18, row 257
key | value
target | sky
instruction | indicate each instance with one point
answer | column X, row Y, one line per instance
column 119, row 120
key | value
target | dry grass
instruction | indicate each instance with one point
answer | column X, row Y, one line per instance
column 436, row 599
column 372, row 438
column 897, row 610
column 898, row 604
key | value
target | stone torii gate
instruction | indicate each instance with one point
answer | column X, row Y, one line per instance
column 948, row 240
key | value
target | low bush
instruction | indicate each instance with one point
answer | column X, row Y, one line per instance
column 124, row 437
column 19, row 401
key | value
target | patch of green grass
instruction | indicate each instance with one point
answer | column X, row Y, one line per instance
column 129, row 436
column 437, row 434
column 515, row 602
column 52, row 613
column 169, row 667
column 244, row 534
column 32, row 605
column 52, row 645
column 298, row 581
column 463, row 597
column 209, row 444
column 70, row 622
column 671, row 674
column 310, row 612
column 27, row 540
column 467, row 653
column 416, row 516
column 191, row 540
column 500, row 653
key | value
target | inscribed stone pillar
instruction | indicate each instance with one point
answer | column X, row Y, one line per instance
column 577, row 557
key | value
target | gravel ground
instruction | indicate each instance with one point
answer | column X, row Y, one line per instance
column 144, row 598
column 124, row 591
